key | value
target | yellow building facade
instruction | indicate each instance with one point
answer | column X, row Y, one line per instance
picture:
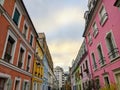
column 38, row 68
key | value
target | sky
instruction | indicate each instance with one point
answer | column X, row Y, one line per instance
column 63, row 23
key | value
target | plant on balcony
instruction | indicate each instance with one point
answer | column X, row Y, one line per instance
column 7, row 57
column 112, row 86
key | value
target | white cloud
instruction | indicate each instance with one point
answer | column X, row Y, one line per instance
column 64, row 52
column 60, row 18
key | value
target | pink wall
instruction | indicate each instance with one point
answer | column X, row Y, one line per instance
column 112, row 24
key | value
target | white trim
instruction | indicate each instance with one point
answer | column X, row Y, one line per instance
column 25, row 23
column 102, row 54
column 16, row 7
column 14, row 68
column 23, row 58
column 13, row 49
column 17, row 79
column 106, row 75
column 4, row 75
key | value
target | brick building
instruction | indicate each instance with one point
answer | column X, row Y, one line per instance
column 17, row 45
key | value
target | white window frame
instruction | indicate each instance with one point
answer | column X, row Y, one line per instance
column 102, row 53
column 93, row 63
column 95, row 29
column 2, row 2
column 113, row 41
column 16, row 6
column 106, row 75
column 25, row 23
column 89, row 39
column 6, row 76
column 23, row 59
column 28, row 82
column 17, row 79
column 29, row 62
column 103, row 18
column 12, row 34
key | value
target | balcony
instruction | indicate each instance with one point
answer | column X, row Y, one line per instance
column 7, row 57
column 113, row 54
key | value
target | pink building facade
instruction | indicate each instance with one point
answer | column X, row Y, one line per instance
column 101, row 33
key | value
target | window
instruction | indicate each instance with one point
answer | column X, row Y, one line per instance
column 17, row 85
column 94, row 61
column 28, row 63
column 89, row 39
column 101, row 57
column 106, row 79
column 10, row 46
column 16, row 16
column 86, row 69
column 9, row 49
column 2, row 83
column 117, row 3
column 31, row 39
column 113, row 51
column 25, row 30
column 103, row 15
column 26, row 85
column 95, row 30
column 1, row 2
column 5, row 83
column 21, row 56
column 97, row 83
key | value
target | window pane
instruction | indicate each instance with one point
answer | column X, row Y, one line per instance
column 16, row 16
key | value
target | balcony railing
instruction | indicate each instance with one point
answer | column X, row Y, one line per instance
column 102, row 61
column 113, row 53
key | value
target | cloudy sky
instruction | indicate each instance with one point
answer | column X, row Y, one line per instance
column 63, row 23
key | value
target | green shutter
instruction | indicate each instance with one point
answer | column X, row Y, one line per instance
column 9, row 84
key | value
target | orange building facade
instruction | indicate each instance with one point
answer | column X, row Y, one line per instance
column 17, row 46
